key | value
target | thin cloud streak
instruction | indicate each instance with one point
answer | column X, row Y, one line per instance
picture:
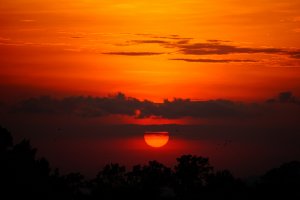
column 127, row 53
column 148, row 42
column 223, row 49
column 211, row 60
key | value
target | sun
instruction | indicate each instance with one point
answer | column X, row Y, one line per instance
column 156, row 139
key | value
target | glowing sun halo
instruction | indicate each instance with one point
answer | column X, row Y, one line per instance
column 156, row 139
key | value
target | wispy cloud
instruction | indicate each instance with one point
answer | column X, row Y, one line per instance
column 217, row 41
column 215, row 48
column 295, row 54
column 170, row 37
column 28, row 20
column 219, row 47
column 211, row 60
column 148, row 42
column 126, row 53
column 185, row 46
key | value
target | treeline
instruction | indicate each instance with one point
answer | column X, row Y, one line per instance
column 23, row 176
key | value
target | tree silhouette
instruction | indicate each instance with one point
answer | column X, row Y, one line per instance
column 223, row 185
column 6, row 140
column 21, row 172
column 110, row 182
column 23, row 176
column 282, row 182
column 70, row 186
column 154, row 177
column 192, row 173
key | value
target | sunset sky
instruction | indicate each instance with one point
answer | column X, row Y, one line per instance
column 107, row 71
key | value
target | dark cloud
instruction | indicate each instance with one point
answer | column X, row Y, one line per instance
column 77, row 37
column 178, row 108
column 79, row 105
column 221, row 49
column 164, row 43
column 217, row 47
column 126, row 53
column 218, row 41
column 284, row 97
column 212, row 60
column 185, row 46
column 120, row 104
column 149, row 41
column 295, row 54
column 183, row 42
column 171, row 37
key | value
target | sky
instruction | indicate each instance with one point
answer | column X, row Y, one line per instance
column 91, row 76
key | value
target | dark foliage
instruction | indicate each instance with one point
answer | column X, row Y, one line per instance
column 23, row 176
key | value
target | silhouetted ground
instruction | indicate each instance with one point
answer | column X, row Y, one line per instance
column 23, row 176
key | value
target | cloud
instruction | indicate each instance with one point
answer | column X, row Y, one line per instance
column 212, row 48
column 217, row 47
column 295, row 54
column 120, row 104
column 211, row 60
column 179, row 108
column 185, row 46
column 127, row 53
column 79, row 105
column 148, row 41
column 217, row 41
column 284, row 97
column 170, row 37
column 164, row 43
column 77, row 37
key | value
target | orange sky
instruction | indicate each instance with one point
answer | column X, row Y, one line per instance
column 242, row 50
